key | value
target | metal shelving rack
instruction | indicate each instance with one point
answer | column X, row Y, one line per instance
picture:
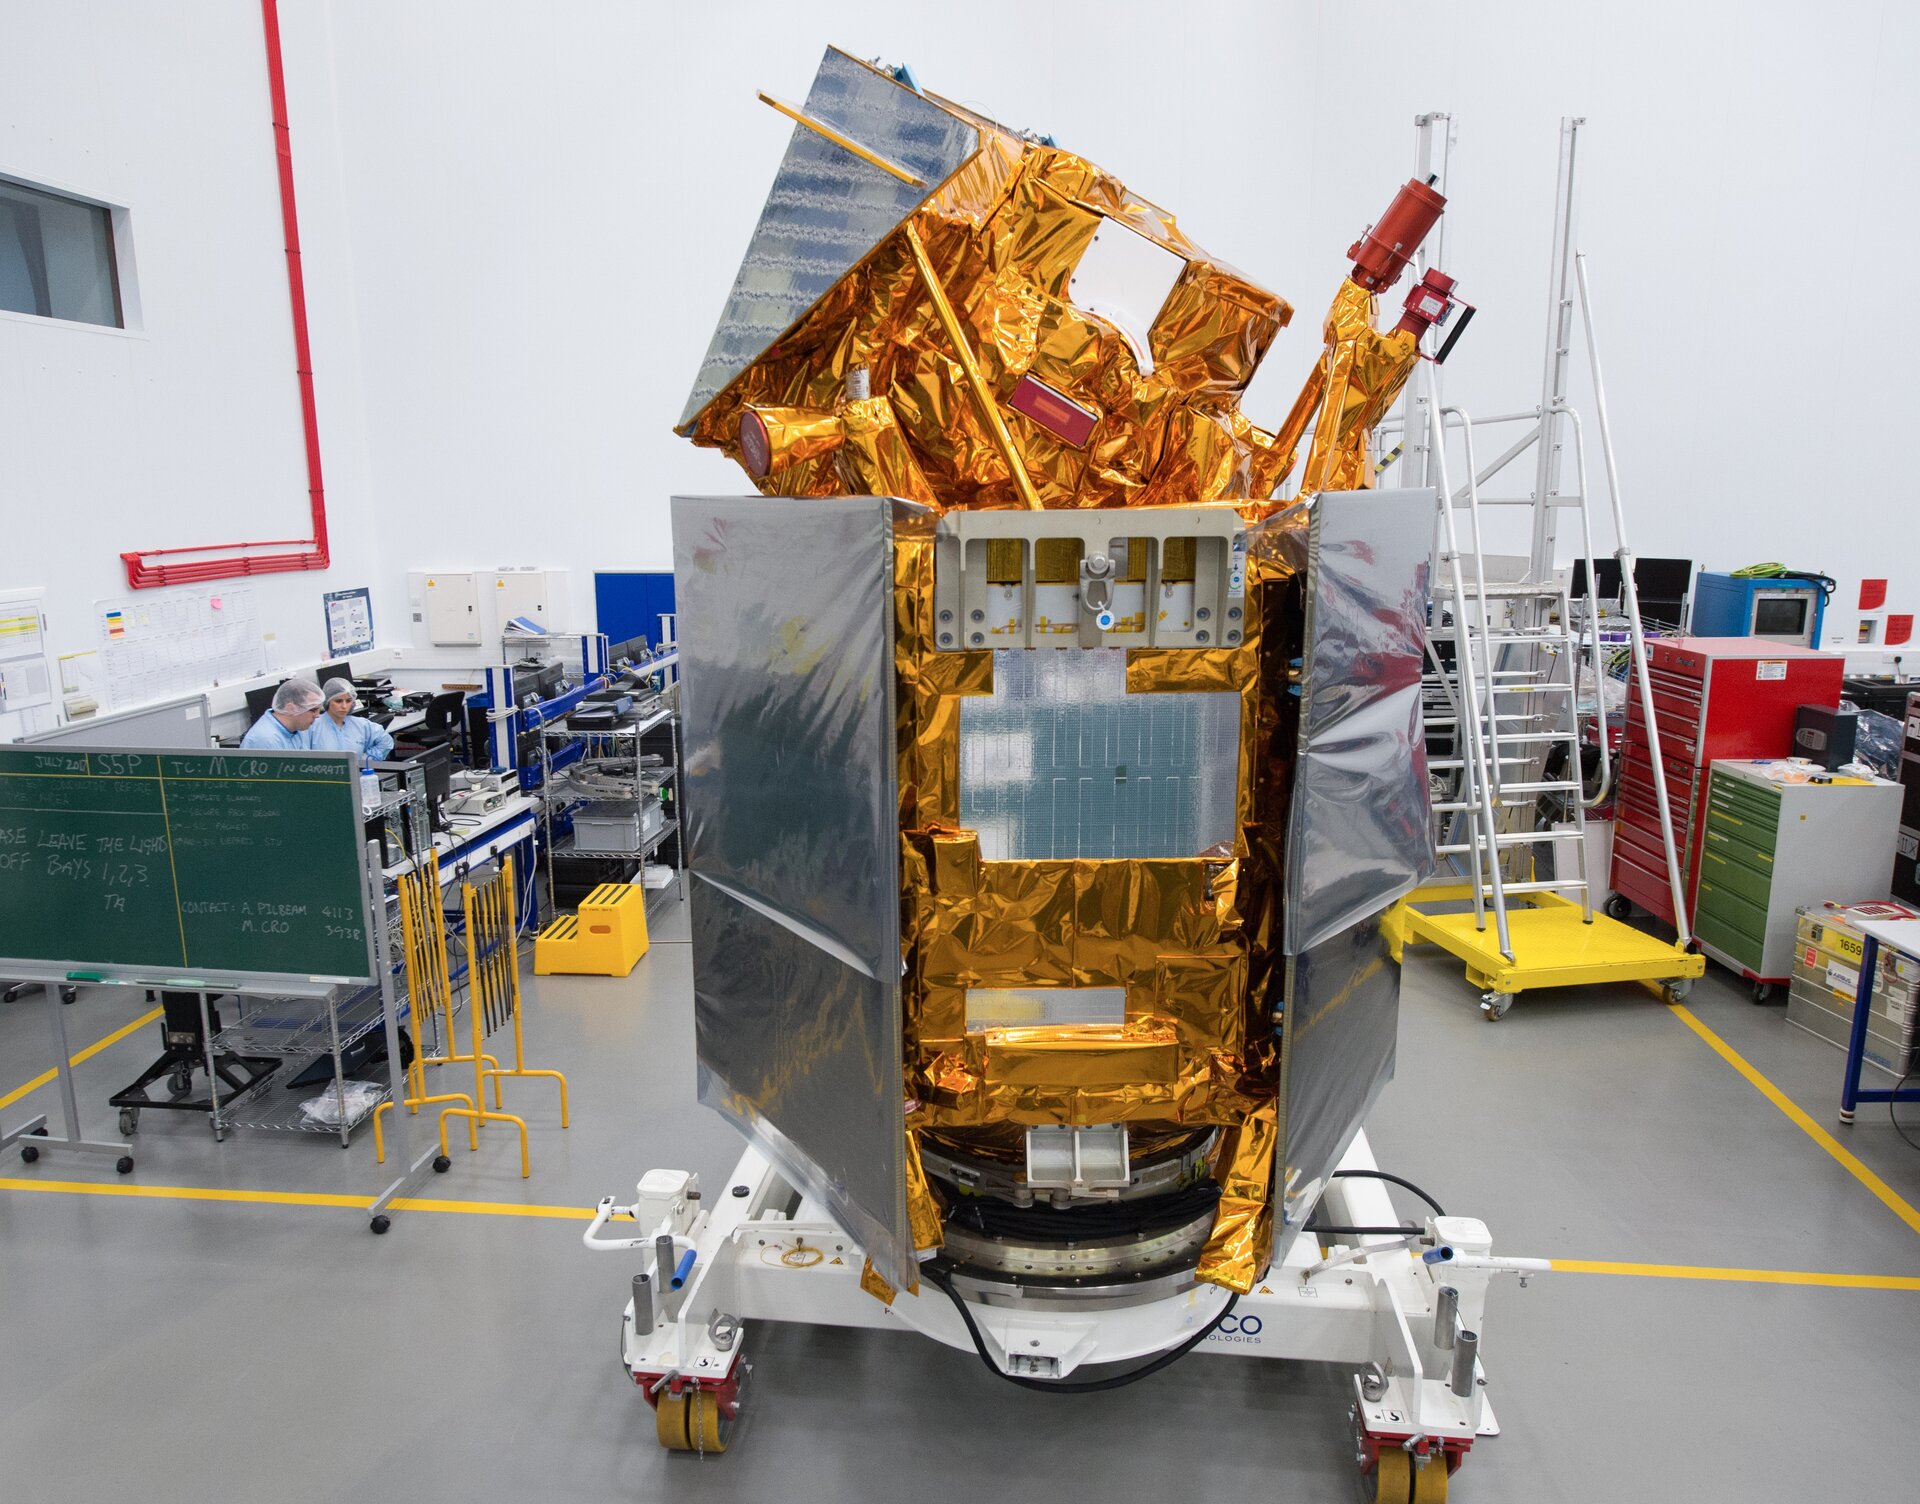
column 300, row 1031
column 652, row 730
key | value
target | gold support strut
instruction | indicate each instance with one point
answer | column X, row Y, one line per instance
column 989, row 409
column 845, row 143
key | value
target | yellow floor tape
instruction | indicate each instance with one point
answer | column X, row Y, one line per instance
column 87, row 1054
column 1816, row 1278
column 1894, row 1202
column 1743, row 1276
column 293, row 1198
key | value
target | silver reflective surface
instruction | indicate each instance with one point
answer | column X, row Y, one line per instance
column 1343, row 1013
column 828, row 207
column 786, row 631
column 1044, row 1007
column 1061, row 763
column 1360, row 833
column 1359, row 836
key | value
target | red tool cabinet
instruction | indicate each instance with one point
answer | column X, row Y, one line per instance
column 1712, row 697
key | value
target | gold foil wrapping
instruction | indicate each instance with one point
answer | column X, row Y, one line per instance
column 1364, row 372
column 1001, row 239
column 1241, row 1242
column 1194, row 942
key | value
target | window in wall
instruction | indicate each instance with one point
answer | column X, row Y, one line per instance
column 56, row 257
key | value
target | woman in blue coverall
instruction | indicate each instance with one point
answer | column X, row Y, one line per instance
column 340, row 730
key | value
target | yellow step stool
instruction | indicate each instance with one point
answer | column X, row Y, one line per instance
column 605, row 939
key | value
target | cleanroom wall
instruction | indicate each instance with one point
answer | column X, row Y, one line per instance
column 184, row 428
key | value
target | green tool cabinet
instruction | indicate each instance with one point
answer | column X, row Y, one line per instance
column 1770, row 847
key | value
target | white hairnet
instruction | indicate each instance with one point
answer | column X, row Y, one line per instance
column 334, row 688
column 297, row 694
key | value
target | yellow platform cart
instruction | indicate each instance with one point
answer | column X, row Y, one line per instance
column 1554, row 945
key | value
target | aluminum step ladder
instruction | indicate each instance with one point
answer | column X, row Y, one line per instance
column 1514, row 686
column 1503, row 688
column 1515, row 674
column 1526, row 700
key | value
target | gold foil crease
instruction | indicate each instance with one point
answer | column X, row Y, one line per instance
column 923, row 1210
column 1241, row 1244
column 874, row 1285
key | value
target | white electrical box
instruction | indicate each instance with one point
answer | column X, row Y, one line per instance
column 451, row 607
column 532, row 593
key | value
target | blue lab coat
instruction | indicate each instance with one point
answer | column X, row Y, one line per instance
column 358, row 734
column 268, row 735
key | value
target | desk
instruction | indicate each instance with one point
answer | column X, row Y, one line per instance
column 479, row 839
column 1901, row 934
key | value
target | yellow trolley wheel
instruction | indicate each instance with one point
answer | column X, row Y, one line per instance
column 691, row 1422
column 1393, row 1477
column 1430, row 1482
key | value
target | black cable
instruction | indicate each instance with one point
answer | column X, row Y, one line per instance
column 1898, row 1086
column 1088, row 1386
column 1405, row 1230
column 1438, row 1210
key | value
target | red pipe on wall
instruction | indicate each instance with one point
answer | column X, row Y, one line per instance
column 312, row 551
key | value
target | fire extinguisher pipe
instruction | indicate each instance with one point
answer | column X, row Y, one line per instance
column 313, row 552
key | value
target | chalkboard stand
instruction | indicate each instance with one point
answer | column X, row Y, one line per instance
column 32, row 1135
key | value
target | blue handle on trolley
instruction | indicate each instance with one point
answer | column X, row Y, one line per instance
column 683, row 1269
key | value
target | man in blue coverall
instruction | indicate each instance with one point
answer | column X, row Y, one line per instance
column 287, row 725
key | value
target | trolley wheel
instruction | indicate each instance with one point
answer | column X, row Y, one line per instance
column 1676, row 991
column 28, row 1154
column 1762, row 992
column 380, row 1223
column 692, row 1421
column 124, row 1164
column 1494, row 1006
column 1430, row 1482
column 1619, row 906
column 1393, row 1477
column 129, row 1121
column 441, row 1164
column 180, row 1083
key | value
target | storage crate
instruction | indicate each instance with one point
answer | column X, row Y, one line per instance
column 1826, row 981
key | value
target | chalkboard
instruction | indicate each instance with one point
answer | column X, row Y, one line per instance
column 192, row 864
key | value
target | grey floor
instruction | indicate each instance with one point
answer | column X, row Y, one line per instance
column 171, row 1349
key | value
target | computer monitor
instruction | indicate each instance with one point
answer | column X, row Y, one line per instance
column 1662, row 579
column 1661, row 585
column 442, row 709
column 1606, row 571
column 328, row 671
column 260, row 701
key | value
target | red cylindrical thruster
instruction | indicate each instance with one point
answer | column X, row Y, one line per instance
column 1380, row 255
